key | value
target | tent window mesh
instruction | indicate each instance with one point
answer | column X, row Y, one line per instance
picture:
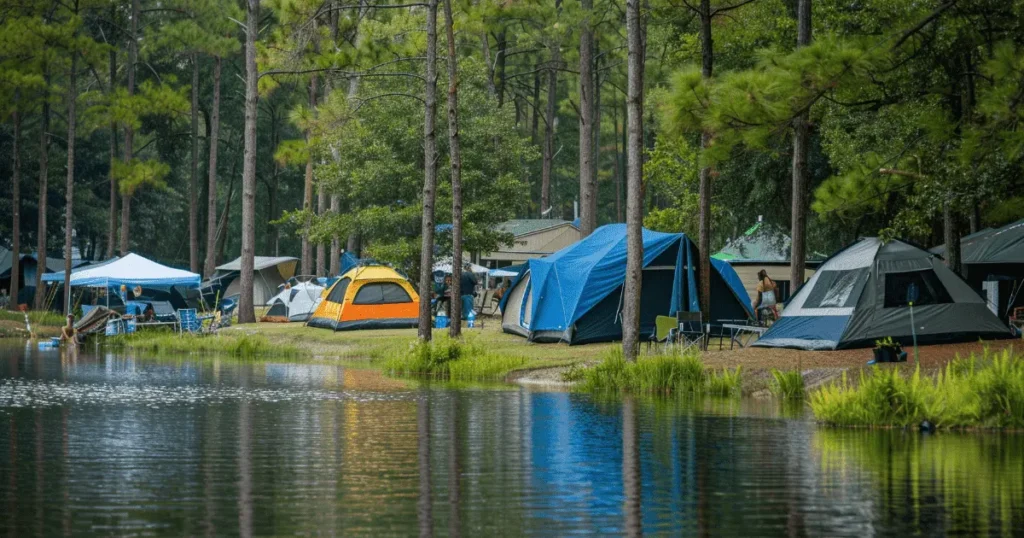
column 381, row 293
column 337, row 294
column 930, row 289
column 837, row 289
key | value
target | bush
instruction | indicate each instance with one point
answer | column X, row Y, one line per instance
column 657, row 374
column 987, row 393
column 444, row 358
column 787, row 385
column 237, row 345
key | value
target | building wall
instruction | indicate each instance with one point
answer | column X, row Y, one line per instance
column 777, row 272
column 534, row 245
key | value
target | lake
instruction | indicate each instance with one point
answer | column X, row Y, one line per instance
column 113, row 444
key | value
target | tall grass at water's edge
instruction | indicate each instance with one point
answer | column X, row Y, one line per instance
column 986, row 392
column 656, row 374
column 238, row 345
column 456, row 360
column 45, row 318
column 788, row 385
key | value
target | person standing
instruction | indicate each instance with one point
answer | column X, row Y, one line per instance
column 767, row 295
column 468, row 289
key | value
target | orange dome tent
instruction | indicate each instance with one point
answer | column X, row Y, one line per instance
column 369, row 297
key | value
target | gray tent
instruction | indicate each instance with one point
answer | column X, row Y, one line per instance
column 859, row 295
column 270, row 272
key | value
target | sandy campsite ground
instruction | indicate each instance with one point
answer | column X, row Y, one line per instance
column 550, row 360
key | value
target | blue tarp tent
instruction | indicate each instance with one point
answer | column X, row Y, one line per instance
column 131, row 270
column 574, row 295
column 348, row 261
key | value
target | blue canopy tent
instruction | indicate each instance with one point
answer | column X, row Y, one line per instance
column 131, row 271
column 575, row 295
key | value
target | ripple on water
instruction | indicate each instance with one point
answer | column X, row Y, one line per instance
column 20, row 393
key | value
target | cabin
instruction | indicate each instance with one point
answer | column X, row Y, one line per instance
column 766, row 247
column 532, row 238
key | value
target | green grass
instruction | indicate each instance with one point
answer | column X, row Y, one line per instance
column 237, row 345
column 986, row 392
column 455, row 360
column 40, row 318
column 788, row 385
column 656, row 374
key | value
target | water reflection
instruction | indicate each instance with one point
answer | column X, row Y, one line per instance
column 114, row 445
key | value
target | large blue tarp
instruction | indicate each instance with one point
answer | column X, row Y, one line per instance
column 348, row 261
column 570, row 282
column 735, row 284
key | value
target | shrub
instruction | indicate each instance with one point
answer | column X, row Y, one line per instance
column 238, row 345
column 986, row 393
column 788, row 385
column 456, row 360
column 657, row 374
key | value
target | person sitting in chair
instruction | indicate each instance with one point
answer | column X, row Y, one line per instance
column 767, row 295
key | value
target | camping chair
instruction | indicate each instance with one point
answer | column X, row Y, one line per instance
column 189, row 321
column 492, row 304
column 666, row 329
column 691, row 330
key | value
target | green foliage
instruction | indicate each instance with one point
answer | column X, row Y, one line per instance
column 236, row 344
column 137, row 173
column 455, row 360
column 788, row 385
column 37, row 318
column 657, row 374
column 986, row 392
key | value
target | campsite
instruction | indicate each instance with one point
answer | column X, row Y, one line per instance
column 489, row 268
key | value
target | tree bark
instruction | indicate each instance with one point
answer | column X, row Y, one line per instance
column 588, row 220
column 429, row 175
column 44, row 164
column 455, row 328
column 112, row 216
column 634, row 186
column 596, row 144
column 620, row 217
column 211, row 192
column 129, row 131
column 704, row 197
column 69, row 188
column 951, row 235
column 549, row 134
column 16, row 209
column 335, row 265
column 193, row 187
column 801, row 136
column 307, row 193
column 321, row 247
column 246, row 312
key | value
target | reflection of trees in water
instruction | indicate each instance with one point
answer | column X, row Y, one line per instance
column 631, row 476
column 949, row 483
column 424, row 512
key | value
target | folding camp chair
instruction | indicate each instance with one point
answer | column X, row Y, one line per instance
column 665, row 330
column 189, row 321
column 691, row 330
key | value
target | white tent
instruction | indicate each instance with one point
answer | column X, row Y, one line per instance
column 270, row 273
column 131, row 270
column 296, row 303
column 445, row 265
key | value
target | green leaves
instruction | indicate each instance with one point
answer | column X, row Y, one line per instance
column 138, row 173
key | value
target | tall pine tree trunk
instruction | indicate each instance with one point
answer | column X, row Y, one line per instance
column 801, row 136
column 44, row 165
column 634, row 186
column 112, row 215
column 549, row 134
column 307, row 193
column 16, row 206
column 587, row 219
column 429, row 174
column 704, row 231
column 246, row 312
column 335, row 265
column 129, row 131
column 69, row 188
column 455, row 329
column 321, row 247
column 951, row 236
column 618, row 167
column 193, row 186
column 211, row 192
column 596, row 144
column 536, row 107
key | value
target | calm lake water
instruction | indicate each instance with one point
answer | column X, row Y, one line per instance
column 111, row 444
